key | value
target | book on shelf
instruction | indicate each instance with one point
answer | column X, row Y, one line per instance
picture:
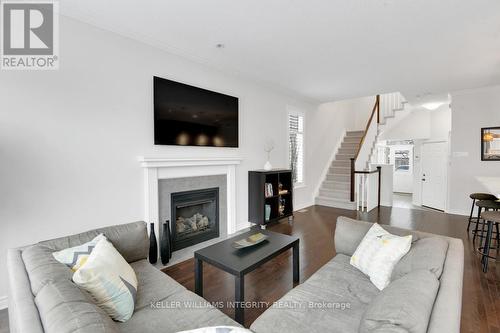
column 268, row 188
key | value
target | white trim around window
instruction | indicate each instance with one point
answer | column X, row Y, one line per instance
column 296, row 125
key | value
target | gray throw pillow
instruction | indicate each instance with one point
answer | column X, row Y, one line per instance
column 426, row 253
column 405, row 305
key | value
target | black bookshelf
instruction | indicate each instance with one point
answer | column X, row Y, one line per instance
column 273, row 189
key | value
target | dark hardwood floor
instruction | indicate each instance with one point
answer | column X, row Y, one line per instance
column 481, row 293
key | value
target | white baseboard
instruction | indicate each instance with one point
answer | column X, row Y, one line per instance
column 303, row 205
column 3, row 302
column 458, row 212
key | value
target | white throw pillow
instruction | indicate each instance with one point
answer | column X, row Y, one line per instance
column 378, row 253
column 110, row 280
column 75, row 257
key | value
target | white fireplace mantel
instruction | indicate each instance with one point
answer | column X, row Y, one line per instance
column 156, row 168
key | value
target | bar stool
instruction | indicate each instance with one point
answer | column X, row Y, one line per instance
column 485, row 205
column 491, row 218
column 478, row 196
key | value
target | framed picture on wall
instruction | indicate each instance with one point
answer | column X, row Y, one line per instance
column 490, row 144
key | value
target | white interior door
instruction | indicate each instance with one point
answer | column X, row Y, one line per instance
column 434, row 174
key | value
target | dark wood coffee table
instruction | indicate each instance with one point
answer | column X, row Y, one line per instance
column 240, row 262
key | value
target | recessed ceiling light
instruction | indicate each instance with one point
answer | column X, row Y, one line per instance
column 432, row 106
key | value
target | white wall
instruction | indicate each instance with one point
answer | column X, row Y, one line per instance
column 472, row 109
column 422, row 124
column 325, row 129
column 440, row 123
column 69, row 139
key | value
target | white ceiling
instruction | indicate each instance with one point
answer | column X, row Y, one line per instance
column 321, row 49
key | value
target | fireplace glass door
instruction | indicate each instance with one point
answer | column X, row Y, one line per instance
column 195, row 217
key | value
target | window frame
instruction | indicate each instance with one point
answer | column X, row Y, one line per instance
column 293, row 111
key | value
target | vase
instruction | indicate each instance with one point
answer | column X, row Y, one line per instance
column 268, row 212
column 268, row 166
column 153, row 246
column 165, row 247
column 170, row 241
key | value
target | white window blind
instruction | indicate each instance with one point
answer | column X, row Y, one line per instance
column 296, row 146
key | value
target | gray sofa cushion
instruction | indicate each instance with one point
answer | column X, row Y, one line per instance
column 43, row 268
column 131, row 240
column 350, row 232
column 153, row 284
column 163, row 305
column 426, row 253
column 337, row 285
column 406, row 305
column 64, row 308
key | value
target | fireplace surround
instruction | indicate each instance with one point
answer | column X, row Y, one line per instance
column 161, row 173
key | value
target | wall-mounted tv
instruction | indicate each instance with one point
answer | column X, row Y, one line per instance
column 189, row 116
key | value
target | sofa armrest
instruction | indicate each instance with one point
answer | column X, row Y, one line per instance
column 446, row 313
column 23, row 313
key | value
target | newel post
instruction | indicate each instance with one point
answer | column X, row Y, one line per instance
column 352, row 178
column 379, row 169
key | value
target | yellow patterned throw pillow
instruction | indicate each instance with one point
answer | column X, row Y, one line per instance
column 75, row 257
column 378, row 253
column 110, row 280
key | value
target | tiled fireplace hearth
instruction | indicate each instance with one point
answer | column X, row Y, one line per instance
column 197, row 196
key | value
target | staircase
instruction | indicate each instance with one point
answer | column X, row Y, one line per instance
column 335, row 189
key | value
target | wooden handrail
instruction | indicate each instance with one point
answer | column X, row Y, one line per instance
column 376, row 107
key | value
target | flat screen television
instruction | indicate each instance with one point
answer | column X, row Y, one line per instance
column 190, row 116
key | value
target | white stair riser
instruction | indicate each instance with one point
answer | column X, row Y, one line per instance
column 341, row 157
column 339, row 178
column 335, row 203
column 347, row 151
column 349, row 145
column 341, row 164
column 352, row 140
column 339, row 171
column 342, row 186
column 355, row 133
column 334, row 194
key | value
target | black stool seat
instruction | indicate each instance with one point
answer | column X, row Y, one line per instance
column 483, row 205
column 478, row 197
column 483, row 196
column 491, row 218
column 488, row 204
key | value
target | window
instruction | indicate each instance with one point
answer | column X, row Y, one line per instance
column 296, row 146
column 402, row 160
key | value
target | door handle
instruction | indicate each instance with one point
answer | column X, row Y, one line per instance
column 423, row 179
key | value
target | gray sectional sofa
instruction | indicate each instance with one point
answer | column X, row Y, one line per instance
column 355, row 303
column 43, row 299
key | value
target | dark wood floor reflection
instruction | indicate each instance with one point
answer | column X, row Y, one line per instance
column 315, row 227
